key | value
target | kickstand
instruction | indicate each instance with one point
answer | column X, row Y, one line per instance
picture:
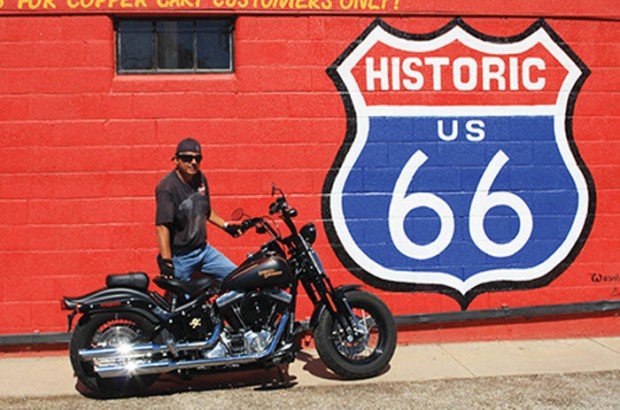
column 285, row 378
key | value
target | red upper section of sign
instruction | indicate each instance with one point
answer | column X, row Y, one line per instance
column 458, row 75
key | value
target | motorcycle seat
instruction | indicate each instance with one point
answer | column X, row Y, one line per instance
column 134, row 280
column 181, row 288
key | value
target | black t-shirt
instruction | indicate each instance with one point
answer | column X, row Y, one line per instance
column 184, row 209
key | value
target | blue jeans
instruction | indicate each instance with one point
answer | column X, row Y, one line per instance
column 209, row 259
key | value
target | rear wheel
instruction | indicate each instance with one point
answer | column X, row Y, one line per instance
column 368, row 350
column 107, row 330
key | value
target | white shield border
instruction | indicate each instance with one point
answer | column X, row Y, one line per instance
column 498, row 279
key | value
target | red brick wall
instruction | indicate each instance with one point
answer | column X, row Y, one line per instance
column 81, row 150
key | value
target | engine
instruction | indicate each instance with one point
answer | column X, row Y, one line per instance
column 196, row 323
column 251, row 317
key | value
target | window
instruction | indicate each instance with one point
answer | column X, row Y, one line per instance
column 174, row 46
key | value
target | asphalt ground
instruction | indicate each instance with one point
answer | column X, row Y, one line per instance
column 598, row 390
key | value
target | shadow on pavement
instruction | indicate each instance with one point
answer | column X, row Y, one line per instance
column 316, row 367
column 273, row 378
column 263, row 379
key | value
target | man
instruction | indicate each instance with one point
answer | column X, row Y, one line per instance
column 183, row 208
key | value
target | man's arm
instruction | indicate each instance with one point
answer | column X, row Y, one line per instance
column 163, row 241
column 215, row 219
column 164, row 260
column 233, row 230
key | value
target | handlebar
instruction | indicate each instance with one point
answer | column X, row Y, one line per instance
column 249, row 223
column 262, row 226
column 273, row 208
column 278, row 206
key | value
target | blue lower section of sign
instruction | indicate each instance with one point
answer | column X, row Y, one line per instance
column 535, row 172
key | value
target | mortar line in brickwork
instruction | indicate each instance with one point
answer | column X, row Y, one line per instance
column 249, row 119
column 75, row 121
column 88, row 173
column 115, row 199
column 57, row 68
column 56, row 200
column 148, row 197
column 62, row 199
column 82, row 225
column 170, row 145
column 152, row 172
column 142, row 248
column 211, row 119
column 81, row 250
column 79, row 147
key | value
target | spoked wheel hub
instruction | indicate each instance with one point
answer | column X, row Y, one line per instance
column 115, row 334
column 355, row 341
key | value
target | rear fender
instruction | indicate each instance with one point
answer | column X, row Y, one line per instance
column 106, row 296
column 142, row 312
column 319, row 308
column 113, row 299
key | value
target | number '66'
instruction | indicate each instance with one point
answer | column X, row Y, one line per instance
column 482, row 202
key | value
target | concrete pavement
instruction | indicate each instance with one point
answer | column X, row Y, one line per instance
column 53, row 376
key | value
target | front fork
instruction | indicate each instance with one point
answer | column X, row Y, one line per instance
column 344, row 314
column 325, row 296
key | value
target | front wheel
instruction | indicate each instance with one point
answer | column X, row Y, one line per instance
column 367, row 349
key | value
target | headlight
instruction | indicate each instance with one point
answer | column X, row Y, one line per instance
column 308, row 232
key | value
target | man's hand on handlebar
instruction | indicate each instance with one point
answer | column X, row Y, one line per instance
column 234, row 230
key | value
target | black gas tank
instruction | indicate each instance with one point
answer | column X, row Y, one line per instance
column 270, row 271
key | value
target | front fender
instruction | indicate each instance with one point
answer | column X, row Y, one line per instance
column 320, row 307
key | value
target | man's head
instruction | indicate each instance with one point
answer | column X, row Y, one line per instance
column 188, row 156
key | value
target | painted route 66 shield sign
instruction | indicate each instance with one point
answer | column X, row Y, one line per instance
column 458, row 173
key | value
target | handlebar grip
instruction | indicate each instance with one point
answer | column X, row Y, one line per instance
column 245, row 225
column 250, row 223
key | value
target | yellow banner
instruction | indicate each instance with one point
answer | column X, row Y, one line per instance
column 602, row 9
column 223, row 5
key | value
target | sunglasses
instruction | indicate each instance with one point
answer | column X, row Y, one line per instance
column 189, row 158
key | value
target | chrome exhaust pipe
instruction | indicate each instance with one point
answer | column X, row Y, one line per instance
column 142, row 349
column 164, row 366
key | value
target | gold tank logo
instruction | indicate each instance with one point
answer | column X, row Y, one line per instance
column 269, row 273
column 195, row 323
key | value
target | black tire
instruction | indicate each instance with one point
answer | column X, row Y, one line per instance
column 379, row 345
column 133, row 328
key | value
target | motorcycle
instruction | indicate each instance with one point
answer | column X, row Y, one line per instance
column 127, row 336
